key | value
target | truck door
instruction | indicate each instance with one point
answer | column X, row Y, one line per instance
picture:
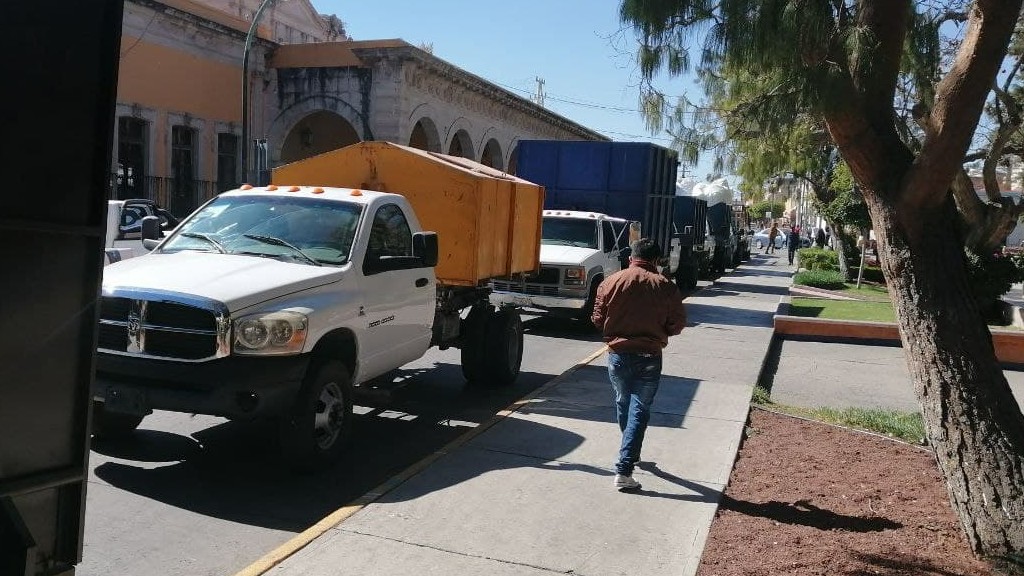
column 399, row 296
column 612, row 244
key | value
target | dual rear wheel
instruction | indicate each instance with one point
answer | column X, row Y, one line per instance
column 492, row 345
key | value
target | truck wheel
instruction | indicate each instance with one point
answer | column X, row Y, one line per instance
column 588, row 309
column 473, row 337
column 109, row 425
column 503, row 347
column 686, row 277
column 315, row 431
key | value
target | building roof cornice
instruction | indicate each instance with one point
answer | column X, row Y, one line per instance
column 364, row 53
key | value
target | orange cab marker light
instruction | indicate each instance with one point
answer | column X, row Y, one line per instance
column 357, row 193
column 293, row 189
column 245, row 187
column 272, row 187
column 318, row 190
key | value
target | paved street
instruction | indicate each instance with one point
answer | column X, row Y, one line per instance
column 197, row 495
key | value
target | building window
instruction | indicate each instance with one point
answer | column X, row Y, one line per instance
column 130, row 179
column 227, row 162
column 183, row 187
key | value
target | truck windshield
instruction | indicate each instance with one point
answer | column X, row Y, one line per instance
column 307, row 230
column 569, row 232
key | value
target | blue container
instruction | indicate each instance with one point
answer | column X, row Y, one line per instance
column 631, row 180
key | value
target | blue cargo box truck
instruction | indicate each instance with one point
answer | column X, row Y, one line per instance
column 631, row 180
column 689, row 229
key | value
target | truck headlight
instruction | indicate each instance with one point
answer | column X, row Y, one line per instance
column 575, row 276
column 270, row 334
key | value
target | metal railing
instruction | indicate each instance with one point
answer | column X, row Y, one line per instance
column 179, row 196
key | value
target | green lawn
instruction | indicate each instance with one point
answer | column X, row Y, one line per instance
column 873, row 311
column 906, row 426
column 873, row 292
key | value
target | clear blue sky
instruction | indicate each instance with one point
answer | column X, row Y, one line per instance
column 578, row 47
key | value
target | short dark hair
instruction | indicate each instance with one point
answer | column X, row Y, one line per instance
column 645, row 249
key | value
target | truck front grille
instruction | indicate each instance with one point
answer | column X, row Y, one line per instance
column 535, row 289
column 546, row 275
column 162, row 329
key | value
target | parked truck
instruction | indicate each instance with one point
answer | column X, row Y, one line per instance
column 275, row 301
column 594, row 191
column 689, row 230
column 124, row 227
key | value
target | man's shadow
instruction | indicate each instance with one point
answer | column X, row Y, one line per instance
column 801, row 512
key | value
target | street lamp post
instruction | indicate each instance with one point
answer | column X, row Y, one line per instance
column 245, row 86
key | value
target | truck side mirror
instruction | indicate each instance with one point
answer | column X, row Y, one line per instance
column 151, row 228
column 424, row 247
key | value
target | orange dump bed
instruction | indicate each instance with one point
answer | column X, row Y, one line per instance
column 488, row 223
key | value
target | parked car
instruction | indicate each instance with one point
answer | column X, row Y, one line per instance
column 761, row 239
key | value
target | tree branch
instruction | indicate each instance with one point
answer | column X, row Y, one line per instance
column 960, row 99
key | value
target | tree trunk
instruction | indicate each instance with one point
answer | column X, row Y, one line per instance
column 839, row 241
column 971, row 418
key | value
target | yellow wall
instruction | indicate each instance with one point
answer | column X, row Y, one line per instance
column 175, row 81
column 167, row 79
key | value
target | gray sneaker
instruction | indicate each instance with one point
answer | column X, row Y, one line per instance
column 623, row 483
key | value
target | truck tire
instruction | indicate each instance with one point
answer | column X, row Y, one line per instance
column 503, row 344
column 588, row 308
column 316, row 429
column 473, row 337
column 686, row 277
column 110, row 425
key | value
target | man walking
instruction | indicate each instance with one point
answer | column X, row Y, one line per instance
column 637, row 309
column 794, row 242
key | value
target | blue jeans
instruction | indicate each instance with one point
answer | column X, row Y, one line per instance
column 635, row 379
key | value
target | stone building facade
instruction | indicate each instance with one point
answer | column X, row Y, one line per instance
column 312, row 89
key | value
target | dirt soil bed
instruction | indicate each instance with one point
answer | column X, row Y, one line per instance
column 809, row 498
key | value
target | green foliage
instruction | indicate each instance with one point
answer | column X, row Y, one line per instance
column 848, row 207
column 818, row 259
column 827, row 279
column 761, row 396
column 907, row 426
column 992, row 275
column 758, row 210
column 873, row 274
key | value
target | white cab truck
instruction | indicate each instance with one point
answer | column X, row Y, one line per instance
column 125, row 228
column 577, row 250
column 275, row 301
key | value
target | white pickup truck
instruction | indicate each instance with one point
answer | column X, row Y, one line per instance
column 577, row 251
column 276, row 301
column 124, row 228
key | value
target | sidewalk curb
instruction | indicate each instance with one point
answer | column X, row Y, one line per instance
column 304, row 538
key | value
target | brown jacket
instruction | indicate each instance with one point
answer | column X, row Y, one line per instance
column 637, row 309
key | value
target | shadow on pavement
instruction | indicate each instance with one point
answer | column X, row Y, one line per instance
column 698, row 314
column 233, row 470
column 736, row 288
column 555, row 327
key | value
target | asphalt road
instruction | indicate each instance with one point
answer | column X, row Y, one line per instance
column 198, row 495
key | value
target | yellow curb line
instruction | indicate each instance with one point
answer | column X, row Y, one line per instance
column 302, row 539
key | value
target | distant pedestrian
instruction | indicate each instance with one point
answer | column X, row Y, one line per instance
column 793, row 241
column 637, row 309
column 819, row 238
column 773, row 233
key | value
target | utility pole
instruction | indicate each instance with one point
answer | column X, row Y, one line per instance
column 246, row 144
column 539, row 97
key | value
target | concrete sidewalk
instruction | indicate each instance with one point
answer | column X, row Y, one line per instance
column 532, row 494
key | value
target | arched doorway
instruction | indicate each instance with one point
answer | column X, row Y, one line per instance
column 319, row 132
column 492, row 155
column 425, row 136
column 461, row 145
